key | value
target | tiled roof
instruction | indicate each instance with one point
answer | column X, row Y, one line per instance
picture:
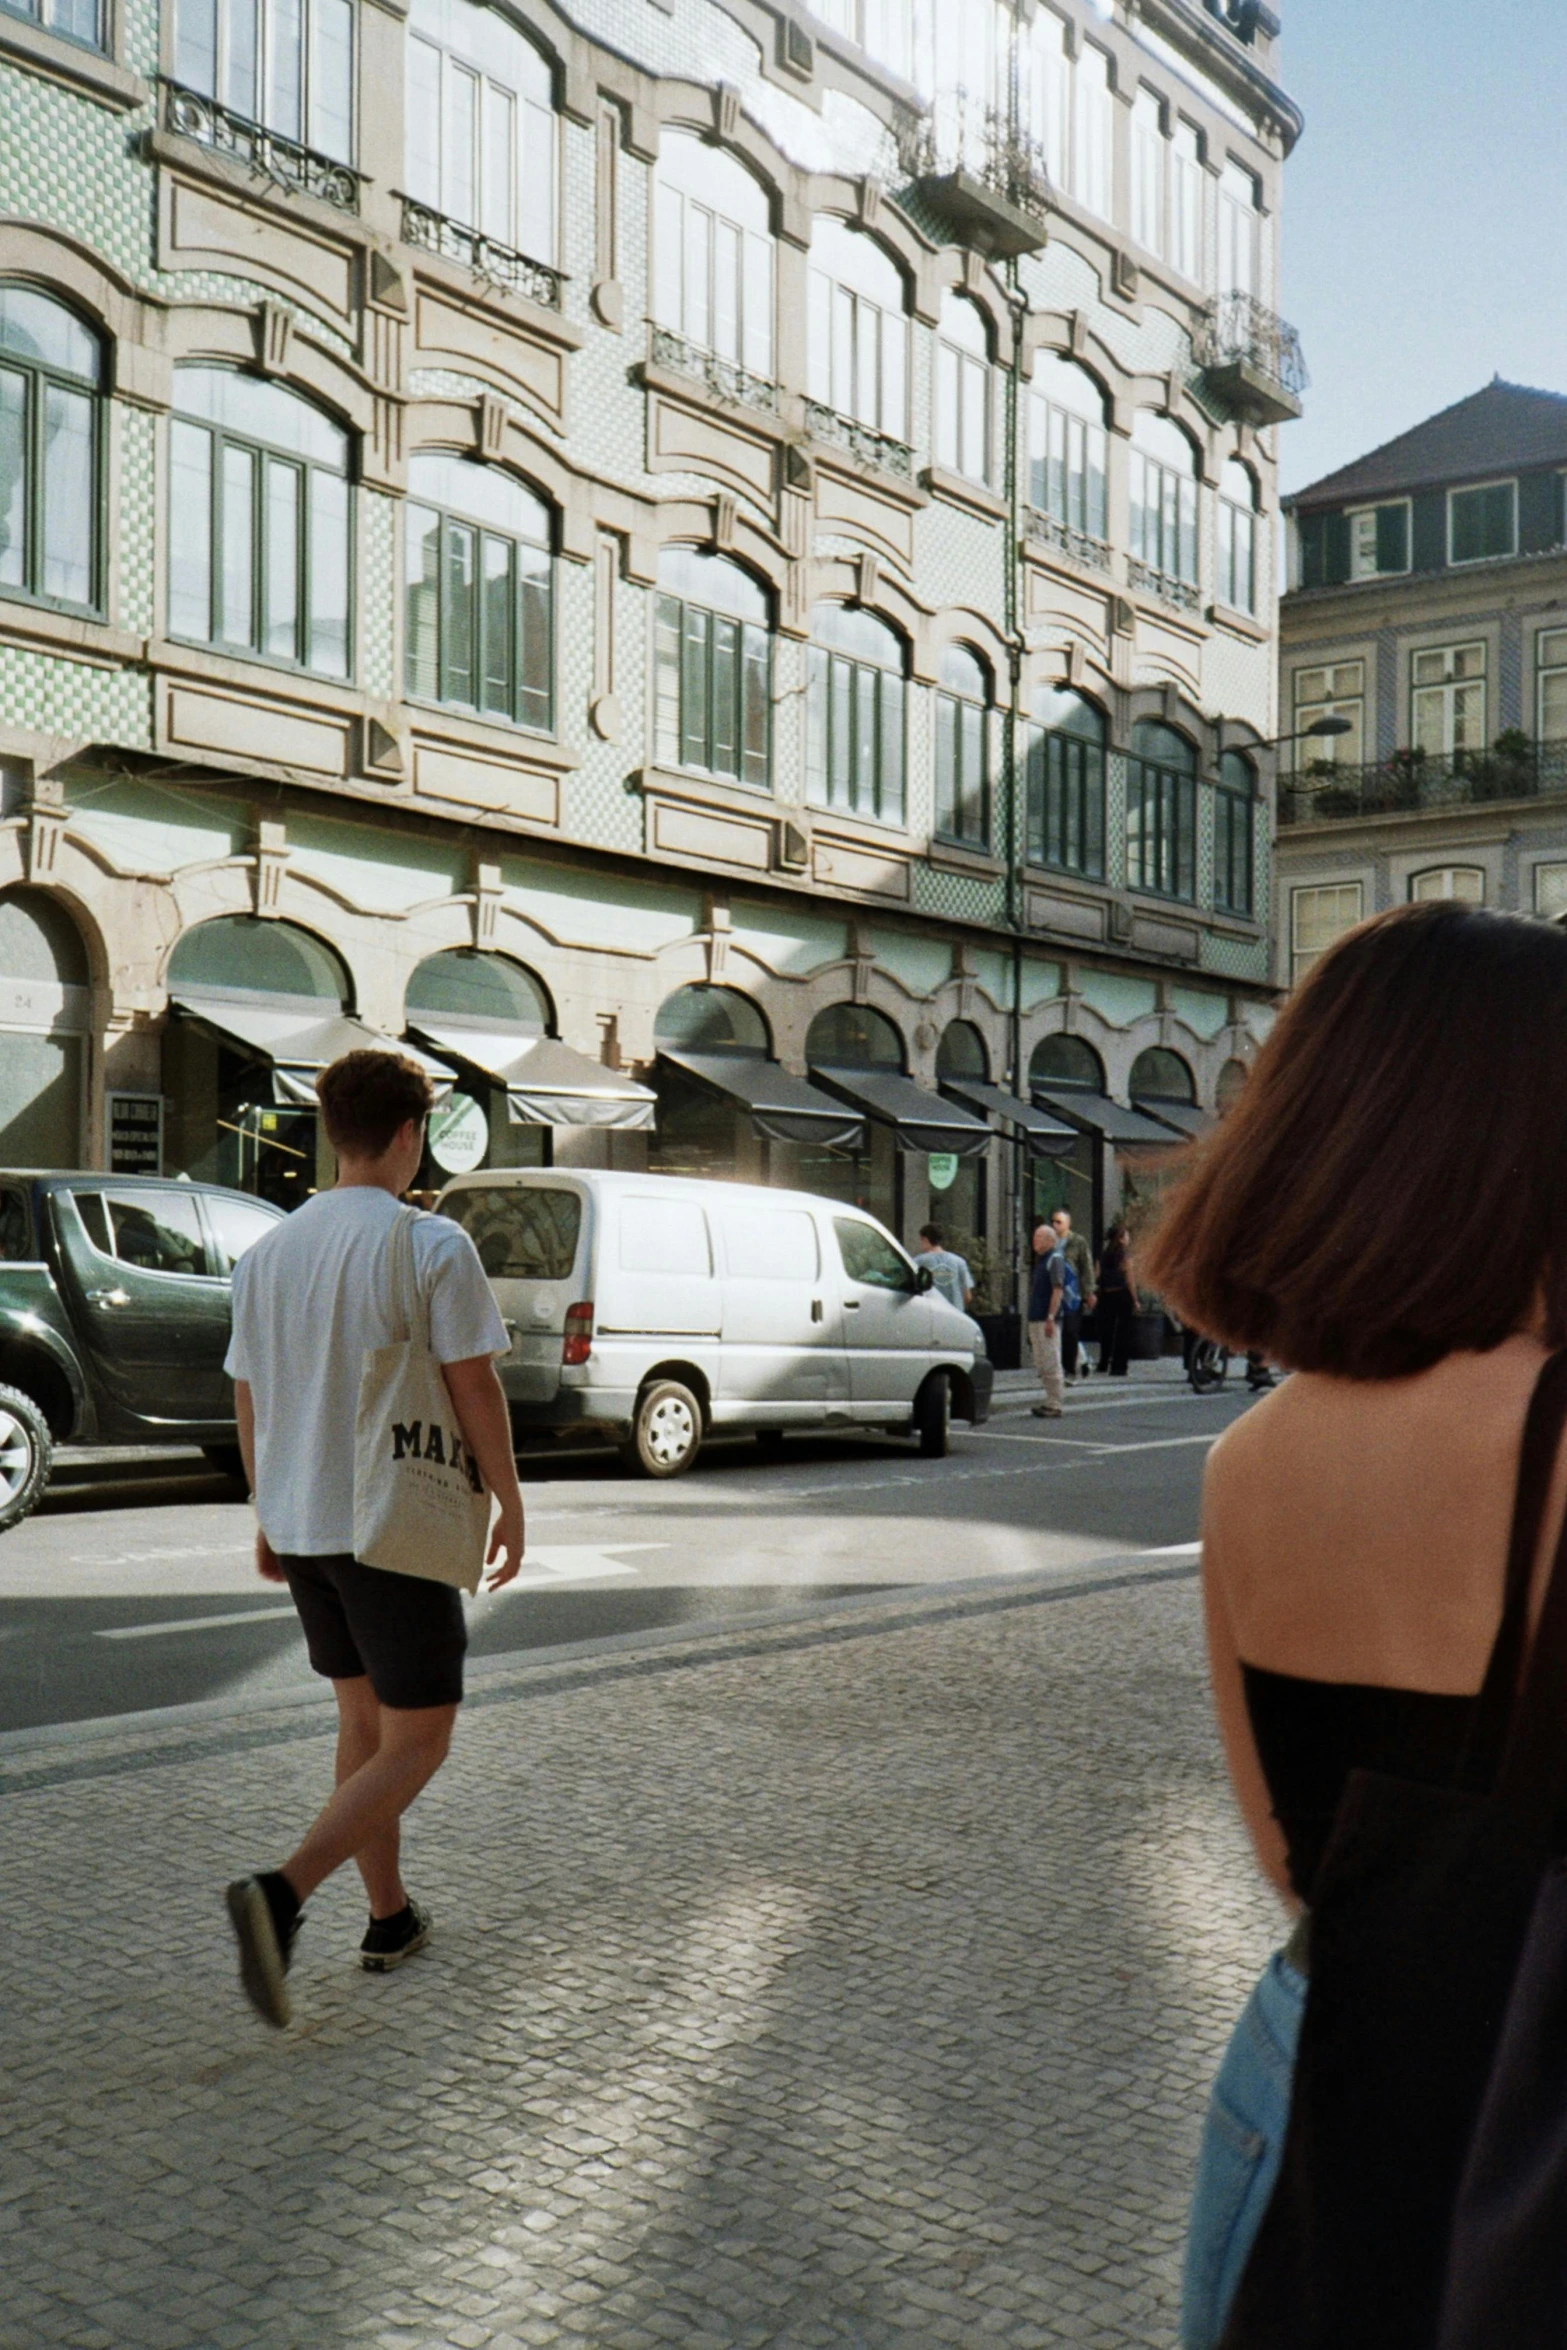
column 1507, row 428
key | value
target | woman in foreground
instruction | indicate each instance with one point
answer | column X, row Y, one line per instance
column 1385, row 1212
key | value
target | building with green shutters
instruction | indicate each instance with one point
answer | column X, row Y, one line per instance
column 706, row 563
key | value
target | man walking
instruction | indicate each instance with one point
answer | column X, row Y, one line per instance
column 1046, row 1291
column 949, row 1273
column 1080, row 1257
column 309, row 1300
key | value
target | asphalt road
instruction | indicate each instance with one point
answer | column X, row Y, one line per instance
column 133, row 1586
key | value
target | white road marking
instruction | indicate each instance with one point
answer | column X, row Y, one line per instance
column 1175, row 1550
column 574, row 1562
column 244, row 1615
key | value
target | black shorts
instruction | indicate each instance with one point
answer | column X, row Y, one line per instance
column 410, row 1636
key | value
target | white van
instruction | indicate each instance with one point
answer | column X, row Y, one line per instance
column 657, row 1307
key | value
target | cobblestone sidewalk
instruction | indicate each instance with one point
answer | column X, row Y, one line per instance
column 854, row 1985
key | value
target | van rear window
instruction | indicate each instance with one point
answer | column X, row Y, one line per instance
column 521, row 1233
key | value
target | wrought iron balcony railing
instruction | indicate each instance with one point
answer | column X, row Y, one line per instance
column 1047, row 531
column 726, row 379
column 1179, row 594
column 1252, row 357
column 1410, row 781
column 298, row 170
column 497, row 264
column 862, row 442
column 979, row 170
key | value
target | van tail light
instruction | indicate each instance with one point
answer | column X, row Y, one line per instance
column 577, row 1344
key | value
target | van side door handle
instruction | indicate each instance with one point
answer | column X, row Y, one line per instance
column 816, row 1309
column 851, row 1305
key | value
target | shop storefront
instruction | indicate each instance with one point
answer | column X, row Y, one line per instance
column 517, row 1085
column 257, row 1009
column 45, row 1022
column 915, row 1142
column 1039, row 1142
column 1116, row 1161
column 727, row 1109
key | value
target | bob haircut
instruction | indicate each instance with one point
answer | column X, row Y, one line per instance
column 1391, row 1184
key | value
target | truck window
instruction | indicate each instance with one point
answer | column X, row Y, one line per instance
column 16, row 1238
column 771, row 1244
column 237, row 1224
column 156, row 1232
column 521, row 1234
column 868, row 1258
column 663, row 1236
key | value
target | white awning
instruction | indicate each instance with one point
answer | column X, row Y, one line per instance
column 547, row 1083
column 298, row 1045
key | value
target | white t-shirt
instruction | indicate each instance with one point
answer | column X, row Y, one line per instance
column 308, row 1300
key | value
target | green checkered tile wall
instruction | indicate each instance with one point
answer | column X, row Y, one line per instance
column 75, row 701
column 135, row 542
column 378, row 592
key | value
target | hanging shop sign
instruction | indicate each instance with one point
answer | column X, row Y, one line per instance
column 135, row 1133
column 459, row 1134
column 942, row 1168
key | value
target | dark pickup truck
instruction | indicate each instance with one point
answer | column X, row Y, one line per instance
column 114, row 1318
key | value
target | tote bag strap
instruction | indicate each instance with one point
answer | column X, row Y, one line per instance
column 407, row 1301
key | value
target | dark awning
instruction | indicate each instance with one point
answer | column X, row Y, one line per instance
column 298, row 1045
column 547, row 1083
column 1185, row 1117
column 783, row 1108
column 920, row 1121
column 1113, row 1122
column 1046, row 1137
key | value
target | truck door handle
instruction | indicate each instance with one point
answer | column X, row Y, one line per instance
column 108, row 1297
column 816, row 1309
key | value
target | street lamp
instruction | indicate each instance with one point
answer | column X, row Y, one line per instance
column 1315, row 732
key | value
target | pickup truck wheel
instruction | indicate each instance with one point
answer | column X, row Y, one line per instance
column 26, row 1455
column 933, row 1415
column 666, row 1434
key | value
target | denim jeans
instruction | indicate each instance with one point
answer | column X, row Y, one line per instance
column 1242, row 2142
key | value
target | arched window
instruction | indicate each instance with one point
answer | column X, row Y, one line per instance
column 43, row 970
column 1065, row 1063
column 712, row 667
column 1161, row 811
column 1234, row 814
column 1450, row 881
column 481, row 125
column 1237, row 582
column 1232, row 1083
column 710, row 1019
column 713, row 253
column 1158, row 1075
column 1066, row 448
column 283, row 65
column 258, row 521
column 963, row 748
column 1065, row 752
column 239, row 954
column 855, row 718
column 961, row 1052
column 857, row 329
column 480, row 617
column 464, row 984
column 51, row 371
column 852, row 1036
column 1163, row 499
column 963, row 389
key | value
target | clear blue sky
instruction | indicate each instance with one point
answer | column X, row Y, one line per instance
column 1425, row 211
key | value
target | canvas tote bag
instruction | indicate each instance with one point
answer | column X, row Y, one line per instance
column 420, row 1506
column 1432, row 1913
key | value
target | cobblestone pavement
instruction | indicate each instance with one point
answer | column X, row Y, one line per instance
column 851, row 1983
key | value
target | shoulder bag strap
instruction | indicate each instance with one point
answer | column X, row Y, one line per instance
column 416, row 1311
column 1493, row 1714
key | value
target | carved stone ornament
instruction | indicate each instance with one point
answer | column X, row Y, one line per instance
column 274, row 337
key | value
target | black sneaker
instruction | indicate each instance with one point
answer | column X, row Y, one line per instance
column 390, row 1940
column 263, row 1952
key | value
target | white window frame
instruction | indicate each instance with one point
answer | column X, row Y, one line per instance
column 1149, row 171
column 857, row 345
column 508, row 196
column 1448, row 876
column 1553, row 872
column 1093, row 131
column 1545, row 670
column 280, row 85
column 1239, row 544
column 1449, row 687
column 1239, row 256
column 713, row 265
column 1188, row 182
column 1356, row 515
column 962, row 433
column 1466, row 489
column 1331, row 700
column 1302, row 958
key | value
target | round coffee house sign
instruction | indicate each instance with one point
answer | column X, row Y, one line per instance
column 459, row 1134
column 943, row 1170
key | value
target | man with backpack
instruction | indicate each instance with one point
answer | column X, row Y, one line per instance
column 1053, row 1284
column 310, row 1301
column 1080, row 1258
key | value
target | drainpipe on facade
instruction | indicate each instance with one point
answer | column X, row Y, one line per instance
column 1017, row 301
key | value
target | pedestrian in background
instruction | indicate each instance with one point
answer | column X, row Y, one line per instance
column 1117, row 1301
column 310, row 1300
column 1047, row 1290
column 1385, row 1211
column 949, row 1274
column 1080, row 1257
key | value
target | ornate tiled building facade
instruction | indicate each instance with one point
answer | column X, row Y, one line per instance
column 584, row 502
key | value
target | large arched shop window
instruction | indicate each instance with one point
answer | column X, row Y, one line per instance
column 1158, row 1075
column 853, row 1036
column 702, row 1131
column 463, row 996
column 44, row 983
column 959, row 1201
column 1060, row 1066
column 225, row 1120
column 961, row 1052
column 1064, row 1062
column 51, row 373
column 702, row 1019
column 463, row 984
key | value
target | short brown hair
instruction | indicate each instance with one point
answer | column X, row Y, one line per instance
column 1391, row 1185
column 366, row 1096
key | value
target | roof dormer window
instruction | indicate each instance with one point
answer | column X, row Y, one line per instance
column 1378, row 539
column 1482, row 523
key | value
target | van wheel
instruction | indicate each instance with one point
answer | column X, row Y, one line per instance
column 933, row 1416
column 666, row 1434
column 26, row 1455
